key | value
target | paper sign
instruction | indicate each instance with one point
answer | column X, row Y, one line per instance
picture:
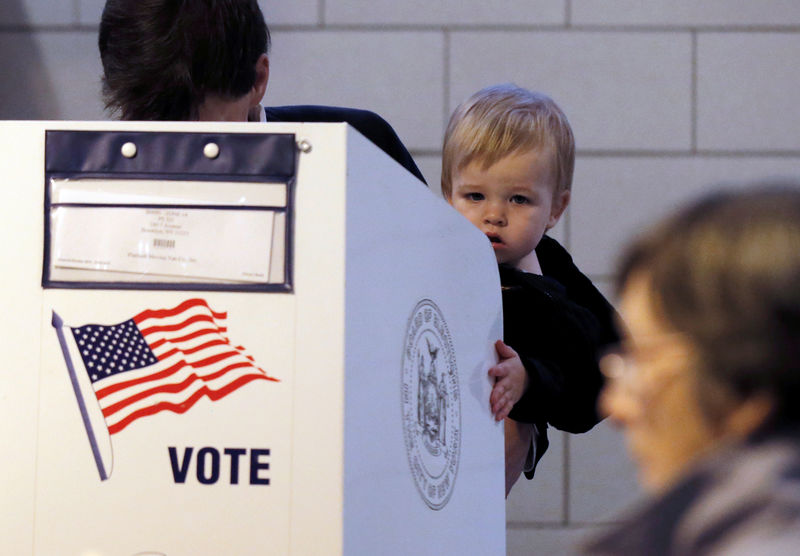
column 213, row 244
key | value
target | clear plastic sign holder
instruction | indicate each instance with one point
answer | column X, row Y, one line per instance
column 178, row 211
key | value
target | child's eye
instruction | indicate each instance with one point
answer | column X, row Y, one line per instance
column 519, row 200
column 474, row 196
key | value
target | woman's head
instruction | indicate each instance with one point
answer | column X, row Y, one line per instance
column 163, row 58
column 719, row 286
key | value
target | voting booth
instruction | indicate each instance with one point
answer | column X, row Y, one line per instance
column 240, row 339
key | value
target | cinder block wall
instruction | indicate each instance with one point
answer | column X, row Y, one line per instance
column 665, row 97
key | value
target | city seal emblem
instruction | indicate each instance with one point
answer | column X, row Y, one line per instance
column 431, row 404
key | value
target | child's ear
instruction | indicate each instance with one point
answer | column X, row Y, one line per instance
column 560, row 202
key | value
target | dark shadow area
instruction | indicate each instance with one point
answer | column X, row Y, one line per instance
column 26, row 92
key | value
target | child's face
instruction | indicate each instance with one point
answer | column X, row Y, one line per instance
column 513, row 201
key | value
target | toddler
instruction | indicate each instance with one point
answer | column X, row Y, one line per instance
column 508, row 159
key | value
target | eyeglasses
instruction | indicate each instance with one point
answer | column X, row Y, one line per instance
column 623, row 363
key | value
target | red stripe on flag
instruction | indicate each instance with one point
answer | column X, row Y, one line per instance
column 188, row 304
column 214, row 376
column 188, row 351
column 184, row 406
column 178, row 326
column 216, row 358
column 196, row 334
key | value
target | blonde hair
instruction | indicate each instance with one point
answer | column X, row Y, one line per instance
column 503, row 119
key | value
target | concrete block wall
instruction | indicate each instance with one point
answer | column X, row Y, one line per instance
column 665, row 96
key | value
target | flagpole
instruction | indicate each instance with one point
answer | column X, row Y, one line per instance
column 58, row 324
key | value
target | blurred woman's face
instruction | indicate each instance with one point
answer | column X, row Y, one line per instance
column 651, row 392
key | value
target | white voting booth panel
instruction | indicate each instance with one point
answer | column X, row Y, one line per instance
column 356, row 418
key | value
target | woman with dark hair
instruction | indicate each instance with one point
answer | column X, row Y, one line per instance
column 707, row 383
column 176, row 60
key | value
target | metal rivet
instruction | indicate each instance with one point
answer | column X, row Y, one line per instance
column 304, row 146
column 211, row 150
column 128, row 150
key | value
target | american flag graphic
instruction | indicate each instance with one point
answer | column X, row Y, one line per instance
column 162, row 360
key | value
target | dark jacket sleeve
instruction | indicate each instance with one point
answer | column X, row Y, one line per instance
column 557, row 342
column 559, row 330
column 369, row 124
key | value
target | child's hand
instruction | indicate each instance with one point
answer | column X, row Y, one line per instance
column 511, row 380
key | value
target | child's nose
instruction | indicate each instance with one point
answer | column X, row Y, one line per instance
column 494, row 215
